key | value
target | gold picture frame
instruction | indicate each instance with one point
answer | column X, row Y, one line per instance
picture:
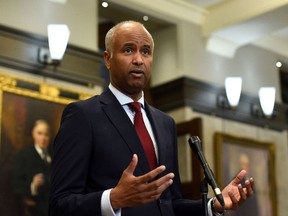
column 22, row 102
column 258, row 158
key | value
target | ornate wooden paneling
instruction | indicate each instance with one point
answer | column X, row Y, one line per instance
column 203, row 97
column 18, row 50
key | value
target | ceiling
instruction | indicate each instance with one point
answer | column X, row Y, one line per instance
column 226, row 24
column 205, row 3
column 268, row 29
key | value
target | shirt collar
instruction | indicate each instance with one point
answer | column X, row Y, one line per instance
column 124, row 99
column 39, row 150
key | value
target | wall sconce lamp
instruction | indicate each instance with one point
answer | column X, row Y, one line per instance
column 233, row 87
column 267, row 102
column 58, row 36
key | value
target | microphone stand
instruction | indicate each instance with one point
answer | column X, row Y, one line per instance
column 204, row 192
column 195, row 144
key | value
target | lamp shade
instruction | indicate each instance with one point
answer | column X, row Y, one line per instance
column 233, row 87
column 267, row 99
column 58, row 36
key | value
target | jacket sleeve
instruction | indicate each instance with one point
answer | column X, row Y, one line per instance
column 70, row 167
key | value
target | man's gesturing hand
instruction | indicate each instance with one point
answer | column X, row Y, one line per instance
column 133, row 191
column 234, row 194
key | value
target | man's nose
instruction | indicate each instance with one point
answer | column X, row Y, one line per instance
column 138, row 58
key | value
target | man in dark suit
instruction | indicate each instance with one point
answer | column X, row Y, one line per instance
column 101, row 167
column 32, row 173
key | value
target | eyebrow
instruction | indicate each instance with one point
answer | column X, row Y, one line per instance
column 133, row 44
column 147, row 46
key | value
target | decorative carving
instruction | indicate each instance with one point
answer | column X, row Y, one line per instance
column 47, row 90
column 7, row 81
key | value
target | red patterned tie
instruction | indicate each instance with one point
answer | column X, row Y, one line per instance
column 143, row 134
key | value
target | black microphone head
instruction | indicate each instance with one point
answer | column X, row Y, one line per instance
column 195, row 143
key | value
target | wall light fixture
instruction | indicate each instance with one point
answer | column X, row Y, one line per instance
column 267, row 100
column 58, row 36
column 233, row 86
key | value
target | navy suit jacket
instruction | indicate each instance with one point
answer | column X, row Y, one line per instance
column 95, row 144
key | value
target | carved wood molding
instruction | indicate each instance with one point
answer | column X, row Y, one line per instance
column 193, row 127
column 19, row 50
column 202, row 97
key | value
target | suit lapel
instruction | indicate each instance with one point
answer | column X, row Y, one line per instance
column 158, row 132
column 39, row 162
column 117, row 115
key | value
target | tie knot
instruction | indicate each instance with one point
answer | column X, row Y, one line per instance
column 135, row 106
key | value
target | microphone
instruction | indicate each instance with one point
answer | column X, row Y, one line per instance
column 195, row 144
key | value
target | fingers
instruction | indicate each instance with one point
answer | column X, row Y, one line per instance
column 234, row 200
column 148, row 176
column 133, row 191
column 239, row 177
column 249, row 187
column 251, row 180
column 235, row 194
column 131, row 167
column 237, row 198
column 160, row 184
column 152, row 174
column 242, row 193
column 153, row 190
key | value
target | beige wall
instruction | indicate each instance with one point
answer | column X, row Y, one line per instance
column 188, row 57
column 34, row 16
column 165, row 56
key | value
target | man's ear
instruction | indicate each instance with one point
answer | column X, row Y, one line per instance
column 107, row 59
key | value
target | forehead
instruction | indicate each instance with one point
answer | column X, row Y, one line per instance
column 132, row 33
column 41, row 126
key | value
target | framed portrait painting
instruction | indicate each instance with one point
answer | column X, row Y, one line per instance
column 22, row 102
column 257, row 158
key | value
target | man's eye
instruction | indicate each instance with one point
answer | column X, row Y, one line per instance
column 128, row 50
column 146, row 52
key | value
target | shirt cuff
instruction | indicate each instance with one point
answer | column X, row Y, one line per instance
column 33, row 189
column 210, row 213
column 106, row 207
